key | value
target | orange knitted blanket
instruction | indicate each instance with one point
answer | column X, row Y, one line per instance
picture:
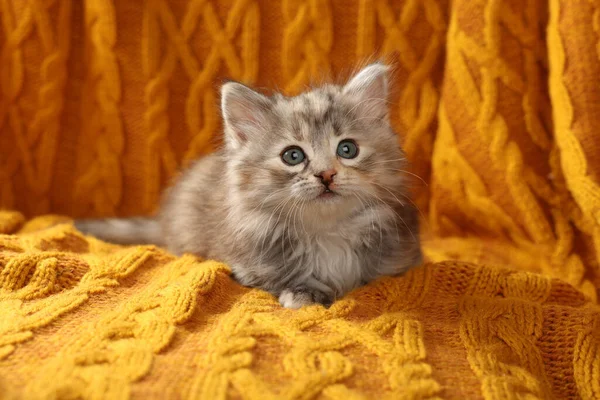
column 497, row 105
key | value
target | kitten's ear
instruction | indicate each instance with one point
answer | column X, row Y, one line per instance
column 369, row 89
column 244, row 112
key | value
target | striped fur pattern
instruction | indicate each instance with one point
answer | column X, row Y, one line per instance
column 279, row 226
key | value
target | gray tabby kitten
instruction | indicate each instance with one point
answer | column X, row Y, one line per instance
column 306, row 200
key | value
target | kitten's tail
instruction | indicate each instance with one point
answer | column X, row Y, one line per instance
column 136, row 230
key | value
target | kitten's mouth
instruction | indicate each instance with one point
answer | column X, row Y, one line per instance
column 327, row 194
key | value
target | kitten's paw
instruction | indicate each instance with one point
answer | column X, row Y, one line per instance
column 302, row 297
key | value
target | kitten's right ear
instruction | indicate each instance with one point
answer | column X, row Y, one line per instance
column 244, row 112
column 369, row 89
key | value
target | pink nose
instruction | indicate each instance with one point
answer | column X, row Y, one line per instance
column 327, row 176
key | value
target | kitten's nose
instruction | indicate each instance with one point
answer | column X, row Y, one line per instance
column 327, row 176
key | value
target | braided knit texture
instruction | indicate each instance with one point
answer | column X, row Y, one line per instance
column 80, row 318
column 497, row 106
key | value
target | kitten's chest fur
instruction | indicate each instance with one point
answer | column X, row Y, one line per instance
column 335, row 256
column 333, row 259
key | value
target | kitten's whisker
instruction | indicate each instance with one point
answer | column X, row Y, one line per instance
column 387, row 161
column 397, row 161
column 403, row 195
column 408, row 173
column 284, row 230
column 295, row 209
column 380, row 226
column 238, row 231
column 361, row 118
column 229, row 215
column 366, row 208
column 280, row 206
column 273, row 193
column 303, row 204
column 287, row 229
column 394, row 211
column 389, row 191
column 387, row 206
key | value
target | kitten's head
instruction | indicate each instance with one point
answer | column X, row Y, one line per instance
column 325, row 152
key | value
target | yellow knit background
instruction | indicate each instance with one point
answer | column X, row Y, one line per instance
column 498, row 106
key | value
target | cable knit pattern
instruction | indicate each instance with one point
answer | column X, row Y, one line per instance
column 101, row 101
column 100, row 185
column 84, row 319
column 33, row 122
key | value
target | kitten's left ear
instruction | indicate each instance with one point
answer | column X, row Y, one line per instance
column 244, row 112
column 369, row 89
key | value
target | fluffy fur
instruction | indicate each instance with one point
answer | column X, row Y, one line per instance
column 273, row 223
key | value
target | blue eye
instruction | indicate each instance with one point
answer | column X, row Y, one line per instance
column 347, row 149
column 293, row 155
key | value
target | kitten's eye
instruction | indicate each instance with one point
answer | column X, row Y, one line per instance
column 293, row 155
column 347, row 149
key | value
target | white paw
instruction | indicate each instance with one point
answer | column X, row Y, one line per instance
column 289, row 299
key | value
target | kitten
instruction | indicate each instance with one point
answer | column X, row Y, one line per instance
column 306, row 200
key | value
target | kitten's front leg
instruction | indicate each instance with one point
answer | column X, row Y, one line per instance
column 303, row 295
column 295, row 295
